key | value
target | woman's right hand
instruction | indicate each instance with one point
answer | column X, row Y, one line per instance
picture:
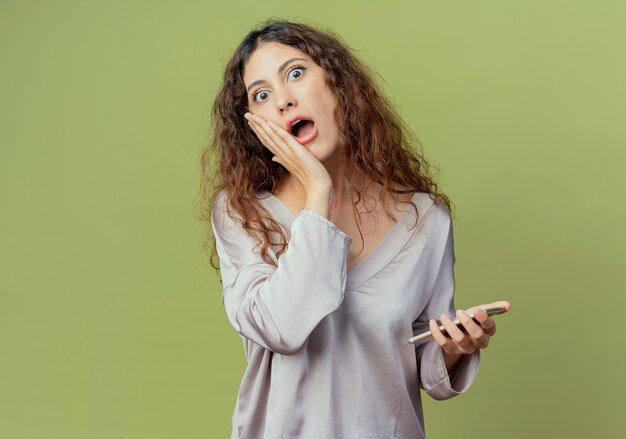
column 292, row 155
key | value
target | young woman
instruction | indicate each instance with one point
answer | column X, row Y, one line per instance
column 334, row 247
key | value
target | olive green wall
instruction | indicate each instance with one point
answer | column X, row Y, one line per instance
column 111, row 323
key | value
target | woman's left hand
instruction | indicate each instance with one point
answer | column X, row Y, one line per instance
column 473, row 337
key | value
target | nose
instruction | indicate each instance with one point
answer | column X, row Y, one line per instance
column 284, row 100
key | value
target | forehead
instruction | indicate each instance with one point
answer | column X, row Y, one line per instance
column 265, row 60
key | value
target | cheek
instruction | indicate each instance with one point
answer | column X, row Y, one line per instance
column 262, row 115
column 327, row 107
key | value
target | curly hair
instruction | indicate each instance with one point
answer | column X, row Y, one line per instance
column 374, row 140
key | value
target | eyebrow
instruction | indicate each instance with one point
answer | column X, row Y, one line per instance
column 280, row 69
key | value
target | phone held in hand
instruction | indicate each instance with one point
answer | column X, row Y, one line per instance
column 426, row 335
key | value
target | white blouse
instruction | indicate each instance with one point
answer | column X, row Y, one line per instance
column 327, row 348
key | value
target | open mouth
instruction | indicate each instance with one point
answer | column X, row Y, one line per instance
column 303, row 129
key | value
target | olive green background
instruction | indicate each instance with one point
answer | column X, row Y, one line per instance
column 111, row 321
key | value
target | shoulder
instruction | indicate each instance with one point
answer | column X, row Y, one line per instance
column 431, row 209
column 435, row 220
column 222, row 215
column 222, row 198
column 427, row 205
column 219, row 206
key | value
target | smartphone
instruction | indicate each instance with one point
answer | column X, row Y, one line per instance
column 425, row 335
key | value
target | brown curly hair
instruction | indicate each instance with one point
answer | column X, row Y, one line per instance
column 375, row 141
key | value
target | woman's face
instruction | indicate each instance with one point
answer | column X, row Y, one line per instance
column 298, row 89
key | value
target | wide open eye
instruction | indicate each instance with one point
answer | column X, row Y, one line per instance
column 295, row 69
column 254, row 99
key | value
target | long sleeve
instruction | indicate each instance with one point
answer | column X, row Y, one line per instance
column 434, row 377
column 278, row 307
